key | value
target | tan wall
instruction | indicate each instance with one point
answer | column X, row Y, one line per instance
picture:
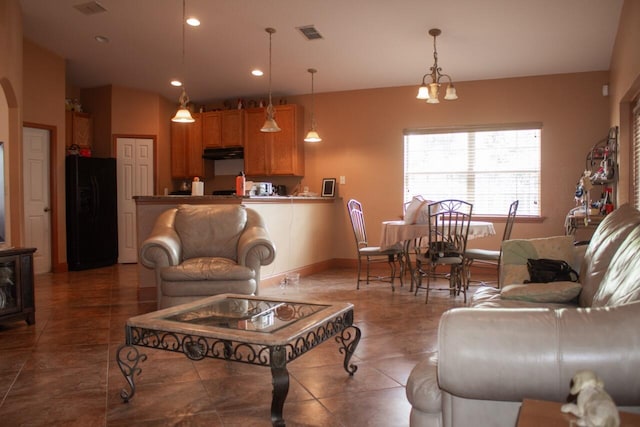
column 44, row 94
column 11, row 120
column 362, row 135
column 625, row 87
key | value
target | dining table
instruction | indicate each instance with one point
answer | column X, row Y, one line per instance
column 400, row 232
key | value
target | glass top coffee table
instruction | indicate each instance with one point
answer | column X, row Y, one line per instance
column 239, row 328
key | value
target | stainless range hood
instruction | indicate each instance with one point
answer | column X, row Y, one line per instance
column 223, row 153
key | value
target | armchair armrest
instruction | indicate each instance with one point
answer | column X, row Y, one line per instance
column 163, row 247
column 512, row 354
column 255, row 247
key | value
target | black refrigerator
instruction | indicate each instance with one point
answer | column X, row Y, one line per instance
column 92, row 212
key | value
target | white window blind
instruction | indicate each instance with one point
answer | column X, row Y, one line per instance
column 636, row 154
column 487, row 166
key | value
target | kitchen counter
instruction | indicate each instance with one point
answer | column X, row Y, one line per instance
column 301, row 227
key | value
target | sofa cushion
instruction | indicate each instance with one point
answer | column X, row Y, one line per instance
column 515, row 253
column 489, row 297
column 604, row 243
column 210, row 230
column 621, row 282
column 542, row 292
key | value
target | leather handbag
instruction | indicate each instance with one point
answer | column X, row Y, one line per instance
column 546, row 270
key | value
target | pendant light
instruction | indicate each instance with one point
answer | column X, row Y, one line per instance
column 431, row 92
column 270, row 124
column 312, row 135
column 183, row 115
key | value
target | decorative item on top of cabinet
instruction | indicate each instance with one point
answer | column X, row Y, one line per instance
column 274, row 153
column 79, row 129
column 186, row 149
column 222, row 129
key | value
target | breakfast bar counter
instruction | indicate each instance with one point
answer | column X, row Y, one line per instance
column 300, row 227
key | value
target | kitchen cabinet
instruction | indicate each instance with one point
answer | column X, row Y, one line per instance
column 274, row 153
column 222, row 129
column 186, row 149
column 16, row 285
column 79, row 129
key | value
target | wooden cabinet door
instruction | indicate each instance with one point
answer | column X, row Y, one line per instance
column 186, row 149
column 255, row 147
column 232, row 128
column 79, row 129
column 285, row 145
column 212, row 129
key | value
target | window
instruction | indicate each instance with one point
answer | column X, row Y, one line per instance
column 489, row 167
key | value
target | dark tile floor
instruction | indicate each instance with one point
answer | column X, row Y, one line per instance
column 62, row 370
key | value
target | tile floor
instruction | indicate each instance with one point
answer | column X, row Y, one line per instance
column 62, row 370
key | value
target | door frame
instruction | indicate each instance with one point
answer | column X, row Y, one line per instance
column 56, row 265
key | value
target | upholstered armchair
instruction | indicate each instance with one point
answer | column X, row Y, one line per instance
column 204, row 250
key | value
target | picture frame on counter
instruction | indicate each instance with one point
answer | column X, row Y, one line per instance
column 328, row 187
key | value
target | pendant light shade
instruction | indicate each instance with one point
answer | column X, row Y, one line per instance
column 270, row 124
column 312, row 135
column 183, row 115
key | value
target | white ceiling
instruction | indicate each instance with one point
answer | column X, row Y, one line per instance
column 366, row 44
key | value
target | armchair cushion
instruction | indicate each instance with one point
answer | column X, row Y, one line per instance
column 206, row 268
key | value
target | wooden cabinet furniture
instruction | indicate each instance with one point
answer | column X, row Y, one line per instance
column 223, row 129
column 274, row 153
column 16, row 285
column 186, row 149
column 79, row 129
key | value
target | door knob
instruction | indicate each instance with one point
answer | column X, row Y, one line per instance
column 47, row 209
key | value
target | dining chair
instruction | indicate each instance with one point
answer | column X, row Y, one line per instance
column 447, row 241
column 372, row 254
column 488, row 256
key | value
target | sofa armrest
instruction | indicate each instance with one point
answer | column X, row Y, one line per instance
column 255, row 247
column 512, row 354
column 163, row 247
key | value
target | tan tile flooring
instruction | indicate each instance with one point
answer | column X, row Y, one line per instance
column 62, row 370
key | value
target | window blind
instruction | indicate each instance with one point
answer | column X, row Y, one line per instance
column 487, row 166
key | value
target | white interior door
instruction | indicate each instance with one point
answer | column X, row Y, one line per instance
column 135, row 178
column 35, row 176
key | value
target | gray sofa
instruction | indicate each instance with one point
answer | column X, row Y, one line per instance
column 204, row 250
column 508, row 346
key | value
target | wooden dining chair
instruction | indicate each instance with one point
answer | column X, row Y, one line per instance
column 372, row 254
column 447, row 241
column 488, row 256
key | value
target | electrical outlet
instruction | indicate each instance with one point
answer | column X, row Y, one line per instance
column 343, row 180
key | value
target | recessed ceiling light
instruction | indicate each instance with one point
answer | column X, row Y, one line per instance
column 102, row 39
column 257, row 72
column 194, row 22
column 176, row 83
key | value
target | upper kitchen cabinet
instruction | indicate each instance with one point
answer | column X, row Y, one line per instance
column 79, row 129
column 274, row 153
column 186, row 149
column 222, row 129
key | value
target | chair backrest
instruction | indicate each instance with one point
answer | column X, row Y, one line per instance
column 357, row 222
column 449, row 227
column 511, row 217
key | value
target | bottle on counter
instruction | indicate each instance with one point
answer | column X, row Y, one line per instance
column 240, row 184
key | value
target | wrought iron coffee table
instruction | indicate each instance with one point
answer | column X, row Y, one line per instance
column 240, row 328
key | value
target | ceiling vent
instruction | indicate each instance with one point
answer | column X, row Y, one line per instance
column 310, row 32
column 90, row 8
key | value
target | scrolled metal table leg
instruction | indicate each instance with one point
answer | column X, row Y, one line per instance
column 349, row 338
column 280, row 381
column 129, row 367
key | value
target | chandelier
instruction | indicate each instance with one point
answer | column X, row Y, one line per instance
column 431, row 91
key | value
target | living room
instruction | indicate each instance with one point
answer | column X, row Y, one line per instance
column 362, row 132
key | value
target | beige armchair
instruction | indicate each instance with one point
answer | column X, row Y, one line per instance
column 203, row 250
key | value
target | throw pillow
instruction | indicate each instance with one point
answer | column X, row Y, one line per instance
column 414, row 208
column 557, row 292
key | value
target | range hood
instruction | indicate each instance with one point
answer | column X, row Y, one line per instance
column 223, row 153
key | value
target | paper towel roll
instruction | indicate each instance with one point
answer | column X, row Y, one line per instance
column 197, row 188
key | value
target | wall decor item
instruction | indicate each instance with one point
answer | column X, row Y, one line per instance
column 328, row 187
